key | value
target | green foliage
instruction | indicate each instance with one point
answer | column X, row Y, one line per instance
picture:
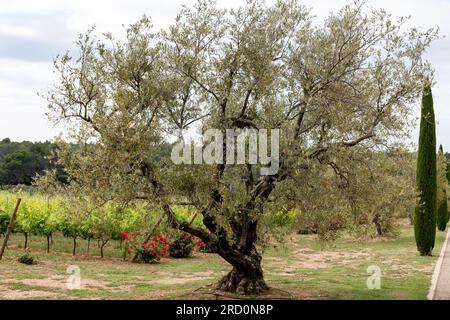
column 21, row 161
column 4, row 221
column 425, row 212
column 43, row 215
column 442, row 204
column 37, row 214
column 326, row 224
column 26, row 258
column 104, row 223
column 381, row 194
column 281, row 218
column 186, row 213
column 447, row 170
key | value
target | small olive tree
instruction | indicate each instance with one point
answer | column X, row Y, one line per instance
column 348, row 82
column 381, row 190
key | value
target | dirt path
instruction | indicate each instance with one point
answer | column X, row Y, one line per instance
column 440, row 289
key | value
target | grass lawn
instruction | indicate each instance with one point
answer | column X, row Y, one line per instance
column 299, row 267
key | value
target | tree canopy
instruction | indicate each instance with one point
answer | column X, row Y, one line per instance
column 337, row 91
column 20, row 162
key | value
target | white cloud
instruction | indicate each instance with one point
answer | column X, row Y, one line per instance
column 22, row 112
column 16, row 30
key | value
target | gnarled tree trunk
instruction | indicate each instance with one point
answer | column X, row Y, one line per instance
column 246, row 278
column 379, row 227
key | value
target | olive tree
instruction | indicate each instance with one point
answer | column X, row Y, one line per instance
column 349, row 81
column 380, row 191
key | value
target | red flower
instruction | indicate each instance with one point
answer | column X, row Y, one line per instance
column 149, row 245
column 200, row 243
column 124, row 235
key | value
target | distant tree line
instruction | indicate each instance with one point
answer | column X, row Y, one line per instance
column 20, row 162
column 447, row 156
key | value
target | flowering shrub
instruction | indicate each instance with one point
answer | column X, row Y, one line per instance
column 154, row 250
column 181, row 245
column 203, row 247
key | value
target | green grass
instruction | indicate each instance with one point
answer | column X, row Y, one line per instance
column 299, row 267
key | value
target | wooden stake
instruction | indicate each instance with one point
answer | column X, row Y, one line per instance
column 193, row 218
column 10, row 227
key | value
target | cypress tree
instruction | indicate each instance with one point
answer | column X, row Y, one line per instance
column 448, row 171
column 442, row 206
column 425, row 212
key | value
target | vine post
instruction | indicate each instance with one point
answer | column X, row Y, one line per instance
column 10, row 227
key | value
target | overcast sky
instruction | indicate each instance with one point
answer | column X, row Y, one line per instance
column 33, row 32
